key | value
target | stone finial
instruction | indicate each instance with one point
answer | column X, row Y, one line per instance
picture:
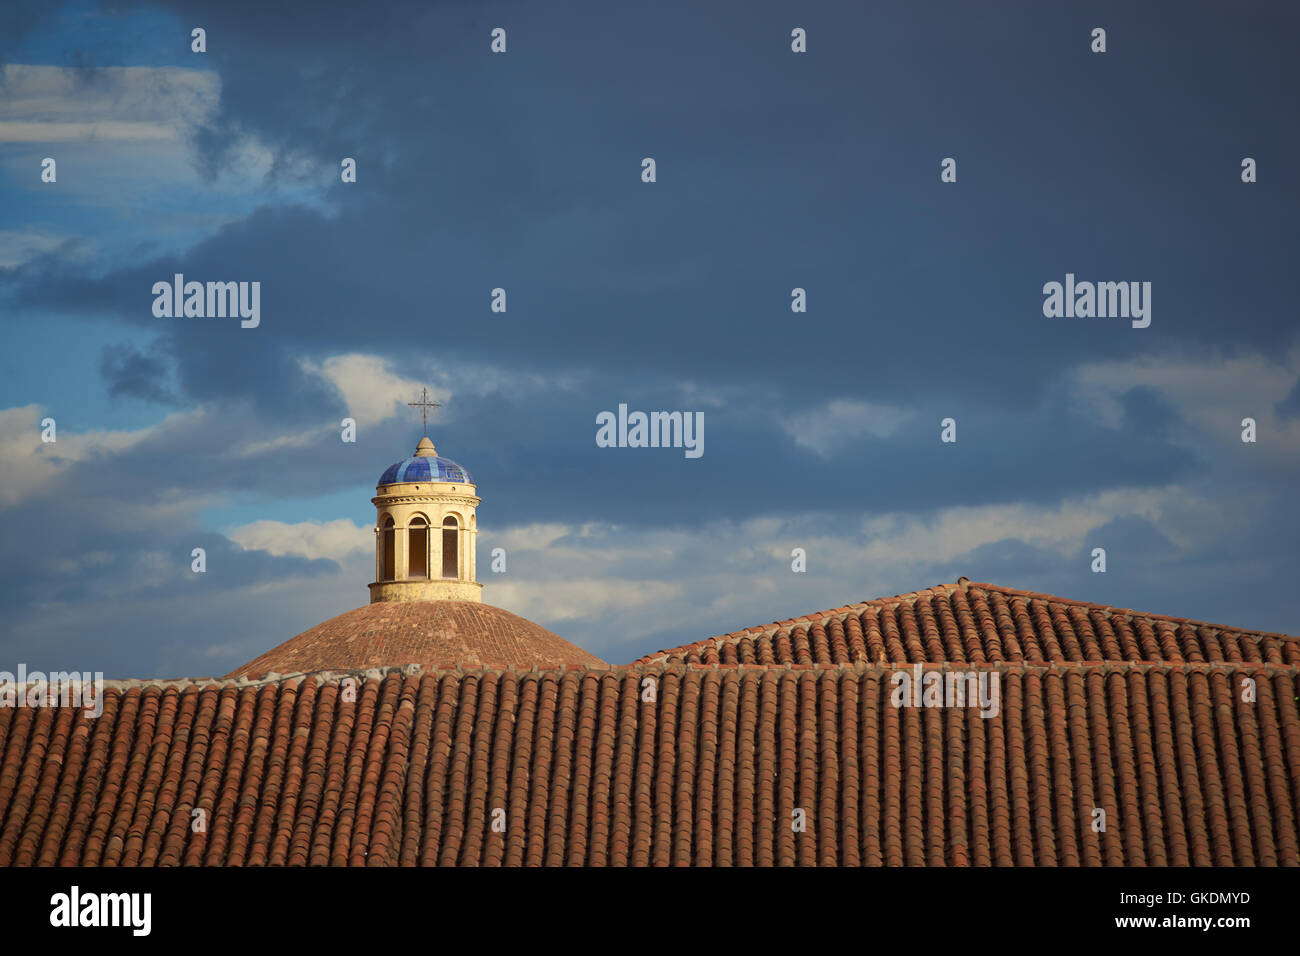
column 425, row 449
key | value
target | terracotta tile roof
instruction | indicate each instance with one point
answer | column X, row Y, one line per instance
column 412, row 768
column 429, row 633
column 1185, row 734
column 973, row 622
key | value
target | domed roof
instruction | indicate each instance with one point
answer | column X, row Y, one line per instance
column 425, row 465
column 430, row 633
column 425, row 469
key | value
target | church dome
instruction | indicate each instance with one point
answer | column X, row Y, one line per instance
column 429, row 633
column 425, row 465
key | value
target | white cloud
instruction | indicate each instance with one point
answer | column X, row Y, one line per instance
column 52, row 104
column 580, row 598
column 1212, row 394
column 370, row 388
column 840, row 421
column 16, row 247
column 601, row 586
column 27, row 463
column 21, row 132
column 954, row 532
column 135, row 127
column 260, row 446
column 336, row 540
column 531, row 537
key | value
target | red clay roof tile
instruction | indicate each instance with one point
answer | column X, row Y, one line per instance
column 428, row 633
column 415, row 767
column 1140, row 716
column 974, row 622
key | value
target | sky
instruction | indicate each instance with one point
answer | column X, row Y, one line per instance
column 774, row 170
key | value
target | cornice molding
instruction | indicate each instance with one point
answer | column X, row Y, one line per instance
column 422, row 498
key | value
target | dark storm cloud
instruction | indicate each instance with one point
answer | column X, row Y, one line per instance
column 134, row 373
column 522, row 171
column 1289, row 407
column 93, row 557
column 16, row 21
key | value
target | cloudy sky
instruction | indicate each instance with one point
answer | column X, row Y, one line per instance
column 523, row 170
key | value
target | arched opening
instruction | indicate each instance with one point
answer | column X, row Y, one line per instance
column 418, row 543
column 387, row 550
column 450, row 548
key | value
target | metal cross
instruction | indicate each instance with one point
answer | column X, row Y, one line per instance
column 424, row 405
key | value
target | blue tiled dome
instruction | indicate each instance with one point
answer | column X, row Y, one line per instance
column 425, row 467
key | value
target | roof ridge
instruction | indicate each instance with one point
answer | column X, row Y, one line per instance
column 641, row 667
column 813, row 617
column 1110, row 609
column 963, row 584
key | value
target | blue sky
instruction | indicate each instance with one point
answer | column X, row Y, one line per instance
column 775, row 170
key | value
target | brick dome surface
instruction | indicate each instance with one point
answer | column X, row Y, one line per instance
column 430, row 633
